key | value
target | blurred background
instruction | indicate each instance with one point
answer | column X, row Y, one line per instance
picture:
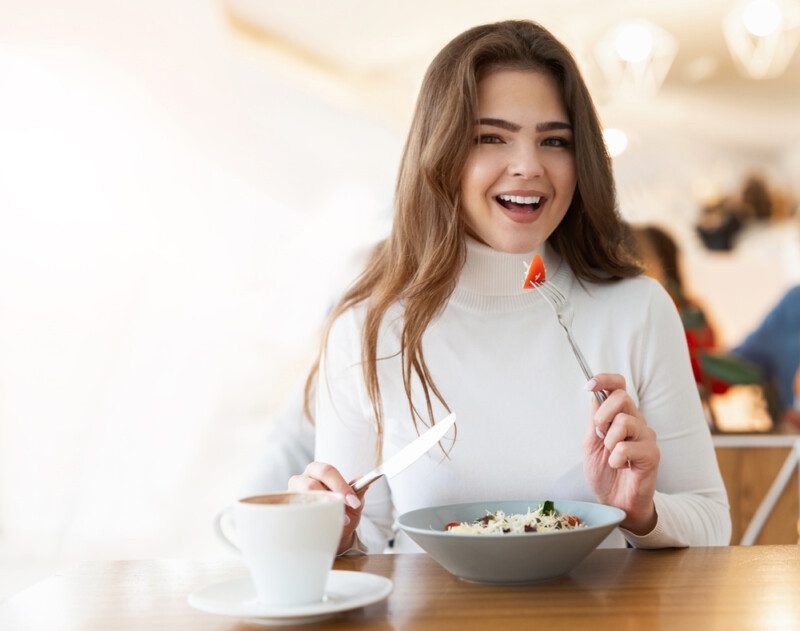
column 186, row 185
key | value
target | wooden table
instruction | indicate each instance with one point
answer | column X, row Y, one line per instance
column 725, row 588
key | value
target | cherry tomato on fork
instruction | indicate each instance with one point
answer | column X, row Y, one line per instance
column 536, row 273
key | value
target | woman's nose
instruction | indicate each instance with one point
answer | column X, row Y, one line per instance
column 526, row 163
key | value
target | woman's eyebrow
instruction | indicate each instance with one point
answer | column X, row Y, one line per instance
column 553, row 125
column 499, row 122
column 513, row 127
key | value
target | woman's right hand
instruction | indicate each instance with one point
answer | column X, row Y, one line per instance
column 319, row 476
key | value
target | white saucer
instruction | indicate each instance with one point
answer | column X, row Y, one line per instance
column 345, row 590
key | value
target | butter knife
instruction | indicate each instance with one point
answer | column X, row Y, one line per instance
column 407, row 455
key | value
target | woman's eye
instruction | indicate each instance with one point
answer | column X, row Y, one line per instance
column 488, row 139
column 556, row 142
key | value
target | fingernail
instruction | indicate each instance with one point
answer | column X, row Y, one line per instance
column 599, row 433
column 346, row 520
column 352, row 501
column 591, row 384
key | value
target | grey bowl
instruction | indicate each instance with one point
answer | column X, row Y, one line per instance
column 519, row 558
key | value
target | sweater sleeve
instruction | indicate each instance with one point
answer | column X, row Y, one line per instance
column 690, row 500
column 346, row 436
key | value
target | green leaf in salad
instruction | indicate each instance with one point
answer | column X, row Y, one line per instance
column 547, row 508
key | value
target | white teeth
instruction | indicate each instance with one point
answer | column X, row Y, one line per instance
column 519, row 200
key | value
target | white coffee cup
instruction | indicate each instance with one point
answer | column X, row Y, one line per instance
column 288, row 541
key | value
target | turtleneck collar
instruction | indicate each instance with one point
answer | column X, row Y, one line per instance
column 491, row 279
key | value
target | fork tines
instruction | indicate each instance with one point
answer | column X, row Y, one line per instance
column 550, row 289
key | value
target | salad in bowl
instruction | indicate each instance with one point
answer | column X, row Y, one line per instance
column 518, row 541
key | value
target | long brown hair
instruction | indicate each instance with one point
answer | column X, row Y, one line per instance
column 421, row 259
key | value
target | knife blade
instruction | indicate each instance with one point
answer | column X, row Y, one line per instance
column 407, row 455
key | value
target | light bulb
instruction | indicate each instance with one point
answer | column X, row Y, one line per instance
column 634, row 42
column 762, row 17
column 616, row 141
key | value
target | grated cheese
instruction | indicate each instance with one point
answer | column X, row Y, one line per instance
column 538, row 520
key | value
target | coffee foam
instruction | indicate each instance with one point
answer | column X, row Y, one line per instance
column 289, row 497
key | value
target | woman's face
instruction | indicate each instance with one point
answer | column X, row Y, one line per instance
column 520, row 174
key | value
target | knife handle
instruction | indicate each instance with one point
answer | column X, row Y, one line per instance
column 363, row 482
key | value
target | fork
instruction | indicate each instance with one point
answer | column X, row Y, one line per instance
column 564, row 313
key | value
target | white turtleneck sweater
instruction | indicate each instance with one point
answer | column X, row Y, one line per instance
column 504, row 366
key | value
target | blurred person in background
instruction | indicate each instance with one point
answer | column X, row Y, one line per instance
column 768, row 357
column 775, row 347
column 660, row 257
column 722, row 221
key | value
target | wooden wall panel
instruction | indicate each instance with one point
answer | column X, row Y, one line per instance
column 748, row 473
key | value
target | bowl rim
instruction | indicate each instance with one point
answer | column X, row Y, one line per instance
column 620, row 516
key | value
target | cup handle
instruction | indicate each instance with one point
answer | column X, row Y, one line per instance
column 225, row 512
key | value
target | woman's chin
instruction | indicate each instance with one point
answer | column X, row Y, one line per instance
column 516, row 245
column 508, row 241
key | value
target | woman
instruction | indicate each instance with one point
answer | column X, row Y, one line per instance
column 505, row 160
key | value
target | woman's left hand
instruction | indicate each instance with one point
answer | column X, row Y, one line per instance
column 621, row 455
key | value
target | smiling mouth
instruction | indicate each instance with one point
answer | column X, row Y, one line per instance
column 520, row 207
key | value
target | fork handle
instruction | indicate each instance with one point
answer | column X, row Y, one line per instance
column 600, row 396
